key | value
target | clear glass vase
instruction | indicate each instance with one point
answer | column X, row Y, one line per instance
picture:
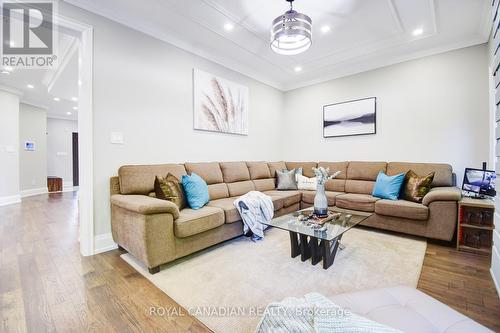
column 320, row 201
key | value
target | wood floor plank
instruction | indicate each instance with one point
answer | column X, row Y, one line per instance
column 46, row 286
column 12, row 311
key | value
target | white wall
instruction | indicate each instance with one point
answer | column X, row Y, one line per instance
column 32, row 164
column 434, row 109
column 143, row 88
column 60, row 149
column 9, row 148
column 495, row 256
column 430, row 110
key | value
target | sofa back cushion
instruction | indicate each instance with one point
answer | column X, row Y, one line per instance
column 338, row 183
column 359, row 186
column 140, row 179
column 264, row 184
column 218, row 191
column 365, row 170
column 239, row 188
column 273, row 166
column 306, row 167
column 443, row 172
column 234, row 171
column 260, row 174
column 361, row 176
column 258, row 170
column 209, row 171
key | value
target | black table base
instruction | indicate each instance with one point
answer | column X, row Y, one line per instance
column 313, row 248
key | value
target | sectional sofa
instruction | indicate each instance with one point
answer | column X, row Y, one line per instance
column 156, row 232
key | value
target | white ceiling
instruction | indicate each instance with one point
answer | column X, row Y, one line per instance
column 365, row 34
column 61, row 83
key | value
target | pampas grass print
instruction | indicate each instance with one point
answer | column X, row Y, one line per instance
column 223, row 112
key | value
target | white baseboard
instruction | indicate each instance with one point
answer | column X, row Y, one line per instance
column 9, row 200
column 495, row 269
column 495, row 282
column 104, row 243
column 34, row 191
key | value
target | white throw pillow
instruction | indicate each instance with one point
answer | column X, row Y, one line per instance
column 305, row 183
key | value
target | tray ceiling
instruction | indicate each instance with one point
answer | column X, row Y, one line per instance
column 362, row 34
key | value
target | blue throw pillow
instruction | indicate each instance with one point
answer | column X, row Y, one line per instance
column 388, row 187
column 196, row 190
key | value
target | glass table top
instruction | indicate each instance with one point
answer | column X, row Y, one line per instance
column 334, row 228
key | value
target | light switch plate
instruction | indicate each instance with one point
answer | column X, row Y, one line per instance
column 116, row 137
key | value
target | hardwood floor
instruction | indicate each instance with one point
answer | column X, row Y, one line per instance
column 46, row 286
column 463, row 281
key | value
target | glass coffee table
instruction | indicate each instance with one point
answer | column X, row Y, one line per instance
column 316, row 244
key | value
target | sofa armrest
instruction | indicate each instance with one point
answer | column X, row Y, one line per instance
column 145, row 205
column 442, row 194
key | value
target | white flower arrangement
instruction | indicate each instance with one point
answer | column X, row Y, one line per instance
column 322, row 174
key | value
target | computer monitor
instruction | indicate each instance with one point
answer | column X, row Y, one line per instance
column 479, row 183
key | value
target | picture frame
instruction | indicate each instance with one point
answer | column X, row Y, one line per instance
column 220, row 105
column 350, row 118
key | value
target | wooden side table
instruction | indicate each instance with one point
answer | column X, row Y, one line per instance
column 475, row 225
column 55, row 184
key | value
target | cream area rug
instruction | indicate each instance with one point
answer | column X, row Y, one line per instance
column 228, row 286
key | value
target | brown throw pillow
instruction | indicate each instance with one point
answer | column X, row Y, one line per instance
column 169, row 188
column 415, row 187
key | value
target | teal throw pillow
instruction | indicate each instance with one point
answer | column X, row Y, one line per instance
column 196, row 190
column 388, row 187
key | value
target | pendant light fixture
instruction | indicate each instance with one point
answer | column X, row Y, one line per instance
column 291, row 32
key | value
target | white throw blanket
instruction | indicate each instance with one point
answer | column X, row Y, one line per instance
column 255, row 207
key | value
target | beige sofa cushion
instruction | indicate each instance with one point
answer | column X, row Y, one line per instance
column 278, row 202
column 362, row 202
column 192, row 222
column 365, row 170
column 140, row 179
column 230, row 212
column 258, row 170
column 289, row 197
column 443, row 172
column 273, row 166
column 234, row 171
column 308, row 197
column 209, row 171
column 218, row 191
column 239, row 188
column 402, row 208
column 337, row 184
column 264, row 184
column 359, row 186
column 336, row 166
column 306, row 167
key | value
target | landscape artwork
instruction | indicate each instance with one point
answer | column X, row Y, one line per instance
column 220, row 105
column 356, row 117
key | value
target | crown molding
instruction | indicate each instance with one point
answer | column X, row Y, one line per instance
column 338, row 69
column 170, row 38
column 51, row 77
column 11, row 90
column 486, row 24
column 34, row 104
column 60, row 117
column 382, row 62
